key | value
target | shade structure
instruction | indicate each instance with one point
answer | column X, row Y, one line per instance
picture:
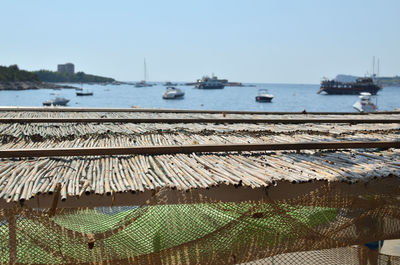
column 206, row 207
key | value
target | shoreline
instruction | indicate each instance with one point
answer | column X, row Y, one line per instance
column 28, row 85
column 32, row 85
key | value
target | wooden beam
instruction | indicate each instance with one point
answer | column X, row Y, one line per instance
column 187, row 149
column 193, row 120
column 56, row 198
column 69, row 109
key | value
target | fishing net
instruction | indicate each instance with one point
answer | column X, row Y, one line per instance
column 317, row 228
column 344, row 255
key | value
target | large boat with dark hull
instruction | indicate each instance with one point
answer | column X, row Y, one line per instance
column 362, row 84
column 210, row 83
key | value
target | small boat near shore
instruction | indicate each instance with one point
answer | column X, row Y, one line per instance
column 170, row 84
column 84, row 93
column 173, row 93
column 264, row 96
column 365, row 104
column 58, row 101
column 143, row 84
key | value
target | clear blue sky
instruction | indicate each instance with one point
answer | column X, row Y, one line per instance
column 280, row 41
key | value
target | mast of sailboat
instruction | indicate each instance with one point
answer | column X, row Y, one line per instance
column 145, row 70
column 377, row 74
column 373, row 66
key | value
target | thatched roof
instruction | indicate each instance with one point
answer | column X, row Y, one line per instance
column 214, row 174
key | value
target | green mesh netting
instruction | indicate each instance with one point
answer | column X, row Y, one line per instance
column 201, row 233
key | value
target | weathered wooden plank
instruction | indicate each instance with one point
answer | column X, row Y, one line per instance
column 186, row 149
column 198, row 120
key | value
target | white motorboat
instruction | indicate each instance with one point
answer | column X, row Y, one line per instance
column 365, row 104
column 264, row 96
column 173, row 93
column 58, row 101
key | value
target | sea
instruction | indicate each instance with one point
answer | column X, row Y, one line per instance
column 287, row 97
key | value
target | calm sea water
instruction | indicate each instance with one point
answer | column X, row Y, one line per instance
column 288, row 97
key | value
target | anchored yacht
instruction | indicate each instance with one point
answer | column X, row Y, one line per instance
column 173, row 93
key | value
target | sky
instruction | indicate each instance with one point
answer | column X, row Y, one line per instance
column 261, row 41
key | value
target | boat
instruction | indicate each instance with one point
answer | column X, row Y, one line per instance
column 79, row 88
column 364, row 104
column 143, row 83
column 173, row 93
column 264, row 96
column 58, row 101
column 84, row 93
column 209, row 83
column 362, row 84
column 170, row 84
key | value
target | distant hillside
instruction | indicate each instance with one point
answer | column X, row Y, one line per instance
column 346, row 78
column 383, row 81
column 389, row 81
column 80, row 77
column 12, row 78
column 13, row 74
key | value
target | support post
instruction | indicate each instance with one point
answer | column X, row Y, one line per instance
column 12, row 236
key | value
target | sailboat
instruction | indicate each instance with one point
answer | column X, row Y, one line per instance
column 143, row 83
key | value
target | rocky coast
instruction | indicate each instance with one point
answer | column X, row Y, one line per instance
column 25, row 85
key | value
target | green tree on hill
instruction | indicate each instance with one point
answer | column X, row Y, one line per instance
column 79, row 77
column 13, row 73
